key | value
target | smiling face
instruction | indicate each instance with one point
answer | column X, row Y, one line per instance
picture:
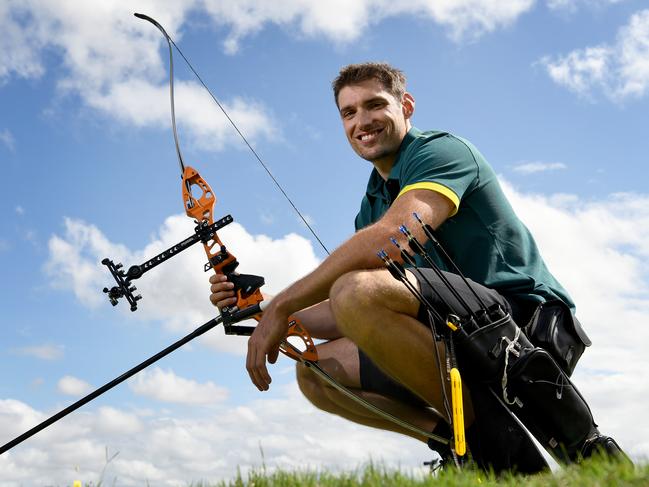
column 375, row 122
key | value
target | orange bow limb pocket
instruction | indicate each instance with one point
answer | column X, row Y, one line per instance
column 298, row 344
column 194, row 185
column 199, row 200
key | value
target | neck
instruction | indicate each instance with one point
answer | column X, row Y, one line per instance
column 384, row 165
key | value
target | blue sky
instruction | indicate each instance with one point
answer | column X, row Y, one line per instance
column 554, row 93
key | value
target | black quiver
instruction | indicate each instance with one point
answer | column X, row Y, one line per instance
column 527, row 372
column 530, row 382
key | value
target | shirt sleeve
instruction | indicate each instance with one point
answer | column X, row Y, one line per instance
column 445, row 165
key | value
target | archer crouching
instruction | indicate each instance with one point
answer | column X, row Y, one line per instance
column 378, row 342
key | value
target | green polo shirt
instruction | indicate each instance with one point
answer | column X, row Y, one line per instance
column 483, row 235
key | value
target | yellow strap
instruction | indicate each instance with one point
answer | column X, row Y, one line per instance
column 438, row 188
column 458, row 412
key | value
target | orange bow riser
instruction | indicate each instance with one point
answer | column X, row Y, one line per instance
column 247, row 286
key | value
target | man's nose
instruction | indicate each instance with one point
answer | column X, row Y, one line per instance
column 365, row 118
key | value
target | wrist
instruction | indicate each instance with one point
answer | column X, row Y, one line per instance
column 282, row 304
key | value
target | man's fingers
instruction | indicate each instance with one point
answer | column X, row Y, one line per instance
column 218, row 296
column 273, row 354
column 263, row 377
column 264, row 344
column 250, row 359
column 215, row 278
column 222, row 293
column 221, row 286
column 222, row 299
column 256, row 367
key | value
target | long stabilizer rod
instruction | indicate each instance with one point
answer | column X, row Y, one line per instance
column 106, row 387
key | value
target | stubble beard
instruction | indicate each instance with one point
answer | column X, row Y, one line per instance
column 371, row 156
column 377, row 153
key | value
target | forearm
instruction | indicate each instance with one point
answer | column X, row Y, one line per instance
column 359, row 252
column 319, row 321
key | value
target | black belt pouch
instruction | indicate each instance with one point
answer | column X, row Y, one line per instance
column 554, row 328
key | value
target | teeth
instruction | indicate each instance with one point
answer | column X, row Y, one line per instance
column 366, row 137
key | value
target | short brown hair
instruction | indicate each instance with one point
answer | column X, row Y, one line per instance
column 392, row 79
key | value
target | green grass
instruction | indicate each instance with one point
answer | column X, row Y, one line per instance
column 591, row 473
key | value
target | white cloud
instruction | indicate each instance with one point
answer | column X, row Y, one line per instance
column 185, row 304
column 43, row 352
column 21, row 52
column 633, row 42
column 73, row 386
column 7, row 139
column 572, row 6
column 113, row 62
column 472, row 18
column 599, row 252
column 117, row 422
column 580, row 69
column 561, row 4
column 104, row 44
column 620, row 70
column 534, row 167
column 464, row 19
column 174, row 451
column 75, row 261
column 166, row 386
column 141, row 103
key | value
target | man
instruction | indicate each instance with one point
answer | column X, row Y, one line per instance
column 376, row 342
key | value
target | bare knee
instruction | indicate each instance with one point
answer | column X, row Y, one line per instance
column 342, row 292
column 351, row 297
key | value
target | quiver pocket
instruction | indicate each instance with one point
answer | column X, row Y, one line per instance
column 554, row 328
column 482, row 353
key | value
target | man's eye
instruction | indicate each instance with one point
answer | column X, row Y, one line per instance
column 347, row 114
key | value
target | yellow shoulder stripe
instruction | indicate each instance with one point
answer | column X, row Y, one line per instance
column 438, row 188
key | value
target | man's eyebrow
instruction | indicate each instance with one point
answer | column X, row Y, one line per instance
column 365, row 102
column 375, row 98
column 346, row 107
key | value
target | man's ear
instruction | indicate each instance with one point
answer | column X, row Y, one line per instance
column 408, row 105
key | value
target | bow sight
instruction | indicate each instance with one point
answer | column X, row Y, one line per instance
column 246, row 284
column 204, row 232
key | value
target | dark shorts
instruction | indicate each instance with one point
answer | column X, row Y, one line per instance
column 444, row 302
